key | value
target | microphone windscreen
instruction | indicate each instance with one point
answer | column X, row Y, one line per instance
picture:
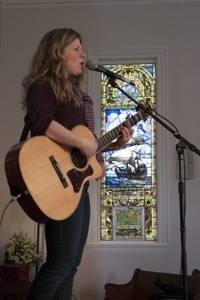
column 90, row 65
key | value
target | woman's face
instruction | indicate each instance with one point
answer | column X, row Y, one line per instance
column 73, row 56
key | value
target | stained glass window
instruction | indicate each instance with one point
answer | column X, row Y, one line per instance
column 128, row 203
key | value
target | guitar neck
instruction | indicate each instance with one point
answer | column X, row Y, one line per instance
column 113, row 134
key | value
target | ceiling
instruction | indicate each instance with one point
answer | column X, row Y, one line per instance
column 90, row 2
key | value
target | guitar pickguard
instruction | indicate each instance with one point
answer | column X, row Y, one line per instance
column 77, row 177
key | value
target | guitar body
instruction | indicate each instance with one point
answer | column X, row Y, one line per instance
column 50, row 176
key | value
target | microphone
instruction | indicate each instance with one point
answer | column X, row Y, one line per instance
column 95, row 67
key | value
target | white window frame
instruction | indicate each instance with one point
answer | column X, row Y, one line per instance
column 126, row 56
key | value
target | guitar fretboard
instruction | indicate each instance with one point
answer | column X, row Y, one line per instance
column 113, row 134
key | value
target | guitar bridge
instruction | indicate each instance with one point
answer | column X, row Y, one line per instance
column 58, row 171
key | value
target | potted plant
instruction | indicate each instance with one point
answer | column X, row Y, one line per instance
column 20, row 253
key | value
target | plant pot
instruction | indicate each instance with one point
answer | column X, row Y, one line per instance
column 15, row 272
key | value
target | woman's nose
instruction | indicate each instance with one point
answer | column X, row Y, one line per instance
column 82, row 54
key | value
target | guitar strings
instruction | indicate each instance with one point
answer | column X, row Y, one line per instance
column 76, row 159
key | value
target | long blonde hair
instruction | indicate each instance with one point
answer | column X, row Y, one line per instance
column 47, row 64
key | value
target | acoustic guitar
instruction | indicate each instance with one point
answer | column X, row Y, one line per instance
column 49, row 177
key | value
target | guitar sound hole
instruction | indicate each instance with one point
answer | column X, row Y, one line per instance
column 78, row 159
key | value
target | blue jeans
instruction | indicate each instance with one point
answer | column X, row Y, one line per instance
column 65, row 241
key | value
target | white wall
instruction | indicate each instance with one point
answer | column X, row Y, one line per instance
column 171, row 25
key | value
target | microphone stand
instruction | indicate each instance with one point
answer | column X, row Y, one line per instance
column 38, row 247
column 180, row 147
column 183, row 143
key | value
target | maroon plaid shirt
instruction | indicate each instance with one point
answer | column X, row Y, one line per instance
column 87, row 105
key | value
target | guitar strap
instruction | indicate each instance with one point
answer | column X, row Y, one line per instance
column 25, row 132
